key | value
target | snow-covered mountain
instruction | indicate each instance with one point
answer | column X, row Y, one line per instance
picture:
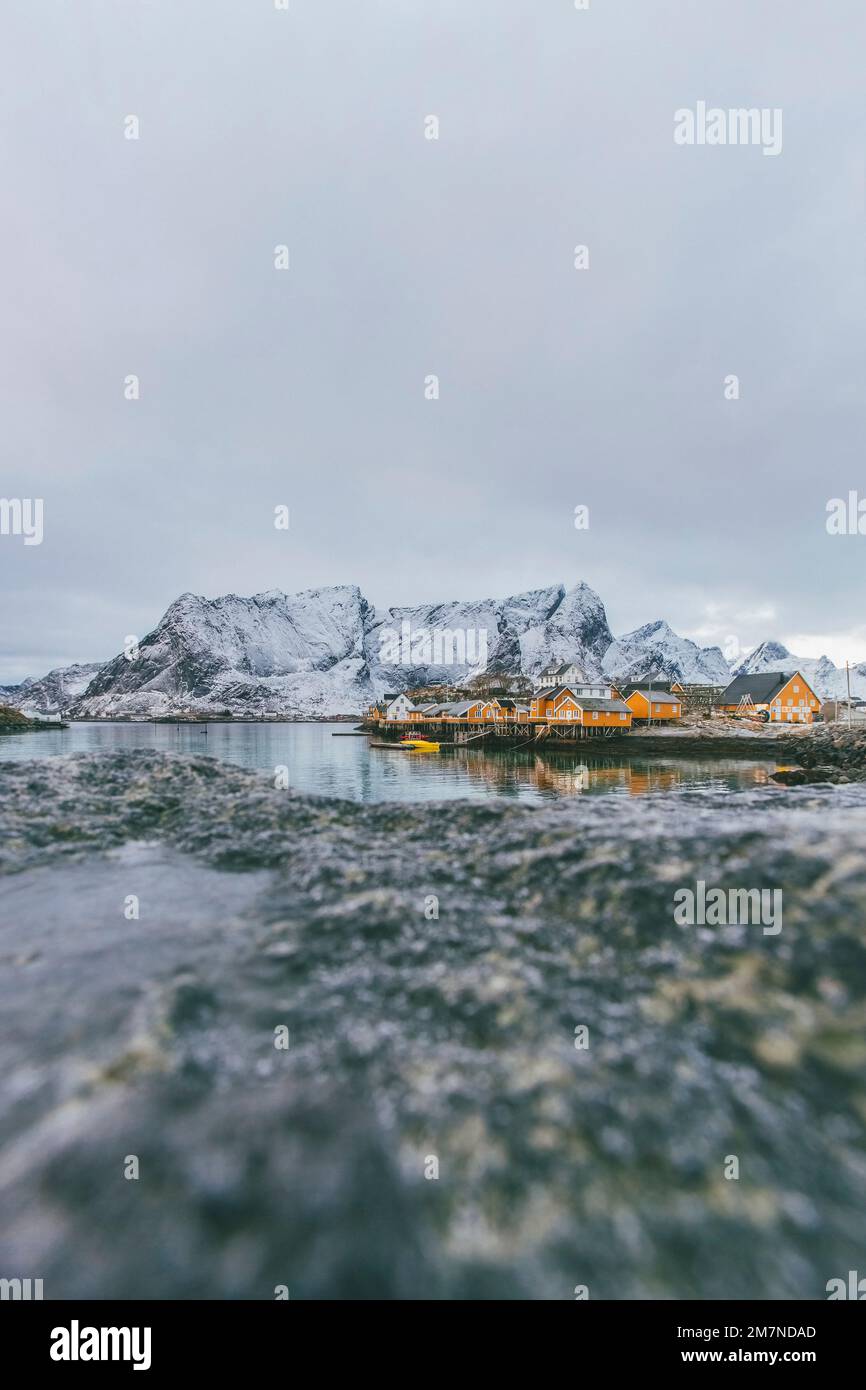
column 303, row 653
column 520, row 634
column 56, row 691
column 327, row 651
column 826, row 679
column 656, row 650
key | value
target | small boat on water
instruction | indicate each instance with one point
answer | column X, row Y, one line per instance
column 409, row 744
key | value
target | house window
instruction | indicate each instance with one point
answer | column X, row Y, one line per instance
column 790, row 700
column 796, row 689
column 622, row 716
column 658, row 709
column 595, row 714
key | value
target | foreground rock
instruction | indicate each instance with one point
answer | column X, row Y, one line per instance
column 828, row 754
column 415, row 1037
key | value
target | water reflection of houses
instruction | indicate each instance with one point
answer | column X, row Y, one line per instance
column 554, row 775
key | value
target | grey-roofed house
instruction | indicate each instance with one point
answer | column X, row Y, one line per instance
column 562, row 673
column 398, row 706
column 513, row 710
column 460, row 709
column 647, row 703
column 590, row 689
column 779, row 696
column 563, row 704
column 612, row 706
column 663, row 685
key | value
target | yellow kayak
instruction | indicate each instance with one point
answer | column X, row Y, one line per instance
column 420, row 745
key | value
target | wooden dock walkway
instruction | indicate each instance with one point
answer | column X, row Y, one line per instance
column 502, row 731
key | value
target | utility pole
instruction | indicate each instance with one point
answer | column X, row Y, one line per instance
column 650, row 705
column 848, row 680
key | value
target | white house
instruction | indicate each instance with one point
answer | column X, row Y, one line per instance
column 578, row 682
column 397, row 706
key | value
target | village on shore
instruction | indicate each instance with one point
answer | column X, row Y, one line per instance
column 570, row 703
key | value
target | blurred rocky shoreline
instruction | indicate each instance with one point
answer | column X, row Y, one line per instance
column 508, row 1072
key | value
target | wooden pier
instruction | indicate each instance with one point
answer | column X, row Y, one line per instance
column 502, row 732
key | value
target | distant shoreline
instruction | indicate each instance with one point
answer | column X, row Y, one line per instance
column 212, row 719
column 803, row 749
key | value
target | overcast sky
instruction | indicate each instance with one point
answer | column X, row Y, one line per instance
column 409, row 257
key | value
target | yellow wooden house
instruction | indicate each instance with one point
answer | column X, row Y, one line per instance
column 655, row 704
column 561, row 705
column 780, row 697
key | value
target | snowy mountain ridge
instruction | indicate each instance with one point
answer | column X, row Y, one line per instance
column 328, row 651
column 656, row 650
column 57, row 690
column 826, row 679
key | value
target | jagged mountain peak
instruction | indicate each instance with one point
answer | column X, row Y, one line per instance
column 55, row 691
column 762, row 658
column 826, row 679
column 656, row 650
column 326, row 650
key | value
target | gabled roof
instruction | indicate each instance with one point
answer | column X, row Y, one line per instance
column 553, row 692
column 760, row 688
column 562, row 668
column 656, row 697
column 462, row 707
column 613, row 706
column 400, row 695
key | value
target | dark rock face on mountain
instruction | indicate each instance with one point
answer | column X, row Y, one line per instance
column 656, row 650
column 825, row 678
column 56, row 691
column 414, row 1038
column 328, row 651
column 248, row 655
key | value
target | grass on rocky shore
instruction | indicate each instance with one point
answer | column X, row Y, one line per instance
column 13, row 718
column 12, row 721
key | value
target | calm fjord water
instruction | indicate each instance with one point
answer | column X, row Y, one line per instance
column 323, row 765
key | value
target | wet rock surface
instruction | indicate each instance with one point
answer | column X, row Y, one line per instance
column 831, row 754
column 413, row 1037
